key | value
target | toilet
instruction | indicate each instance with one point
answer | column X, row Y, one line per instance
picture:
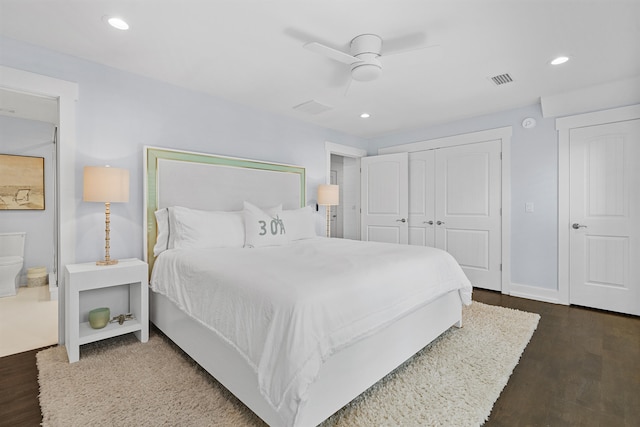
column 11, row 261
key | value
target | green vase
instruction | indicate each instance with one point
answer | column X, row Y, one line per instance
column 99, row 317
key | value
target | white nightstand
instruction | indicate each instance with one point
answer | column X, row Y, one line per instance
column 89, row 276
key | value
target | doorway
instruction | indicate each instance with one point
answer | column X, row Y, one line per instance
column 343, row 169
column 28, row 128
column 335, row 222
column 66, row 94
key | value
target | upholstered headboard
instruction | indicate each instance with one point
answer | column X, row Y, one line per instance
column 210, row 182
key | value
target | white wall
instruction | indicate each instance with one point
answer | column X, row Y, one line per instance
column 31, row 138
column 118, row 113
column 534, row 178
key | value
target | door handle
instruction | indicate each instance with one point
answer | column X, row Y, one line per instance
column 576, row 226
column 401, row 220
column 428, row 222
column 439, row 222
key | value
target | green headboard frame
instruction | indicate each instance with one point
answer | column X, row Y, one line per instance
column 251, row 185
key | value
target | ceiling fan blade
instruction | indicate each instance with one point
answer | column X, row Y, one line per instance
column 434, row 51
column 403, row 43
column 304, row 37
column 332, row 53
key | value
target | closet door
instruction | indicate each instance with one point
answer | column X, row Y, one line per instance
column 385, row 189
column 422, row 198
column 467, row 209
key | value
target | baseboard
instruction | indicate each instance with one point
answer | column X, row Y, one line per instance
column 535, row 293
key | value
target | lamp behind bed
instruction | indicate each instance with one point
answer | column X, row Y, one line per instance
column 328, row 195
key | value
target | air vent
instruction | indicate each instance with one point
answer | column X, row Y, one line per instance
column 312, row 107
column 501, row 79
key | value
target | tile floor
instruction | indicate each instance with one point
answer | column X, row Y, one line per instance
column 28, row 320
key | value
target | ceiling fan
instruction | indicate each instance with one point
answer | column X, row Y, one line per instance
column 365, row 53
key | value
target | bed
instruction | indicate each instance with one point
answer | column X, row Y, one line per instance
column 294, row 328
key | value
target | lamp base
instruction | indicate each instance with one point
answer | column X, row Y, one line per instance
column 107, row 220
column 328, row 209
column 107, row 262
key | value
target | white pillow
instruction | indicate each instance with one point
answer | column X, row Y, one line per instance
column 300, row 223
column 263, row 228
column 192, row 228
column 163, row 231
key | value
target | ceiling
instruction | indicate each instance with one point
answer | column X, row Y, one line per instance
column 251, row 51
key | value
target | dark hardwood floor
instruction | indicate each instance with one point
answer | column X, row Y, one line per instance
column 581, row 368
column 19, row 405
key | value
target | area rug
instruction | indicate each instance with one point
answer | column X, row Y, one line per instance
column 454, row 381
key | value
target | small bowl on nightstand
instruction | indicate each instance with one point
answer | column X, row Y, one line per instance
column 99, row 317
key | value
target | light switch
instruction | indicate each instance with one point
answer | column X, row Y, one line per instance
column 528, row 207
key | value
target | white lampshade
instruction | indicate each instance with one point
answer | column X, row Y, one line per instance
column 105, row 184
column 328, row 195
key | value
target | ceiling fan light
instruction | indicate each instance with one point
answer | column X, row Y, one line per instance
column 366, row 72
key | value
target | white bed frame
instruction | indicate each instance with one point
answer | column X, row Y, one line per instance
column 345, row 374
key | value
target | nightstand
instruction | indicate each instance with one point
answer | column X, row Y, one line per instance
column 88, row 277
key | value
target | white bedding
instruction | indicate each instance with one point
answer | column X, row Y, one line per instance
column 285, row 309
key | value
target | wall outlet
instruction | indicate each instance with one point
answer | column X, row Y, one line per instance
column 528, row 207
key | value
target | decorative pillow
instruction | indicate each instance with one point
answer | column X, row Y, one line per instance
column 263, row 228
column 300, row 223
column 192, row 228
column 275, row 210
column 163, row 231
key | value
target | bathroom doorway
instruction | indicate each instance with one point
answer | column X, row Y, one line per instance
column 343, row 169
column 28, row 130
column 66, row 94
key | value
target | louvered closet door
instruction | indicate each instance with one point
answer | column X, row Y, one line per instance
column 467, row 209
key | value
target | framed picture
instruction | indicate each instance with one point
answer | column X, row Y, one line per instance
column 21, row 182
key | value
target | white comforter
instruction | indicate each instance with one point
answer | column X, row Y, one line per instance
column 285, row 309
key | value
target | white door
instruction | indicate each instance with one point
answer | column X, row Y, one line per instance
column 468, row 223
column 422, row 198
column 385, row 194
column 604, row 213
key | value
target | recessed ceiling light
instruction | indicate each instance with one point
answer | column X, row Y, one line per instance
column 559, row 60
column 117, row 22
column 365, row 115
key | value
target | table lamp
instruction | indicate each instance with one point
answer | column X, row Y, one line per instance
column 328, row 195
column 108, row 185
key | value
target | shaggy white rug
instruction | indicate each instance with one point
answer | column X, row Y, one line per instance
column 119, row 382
